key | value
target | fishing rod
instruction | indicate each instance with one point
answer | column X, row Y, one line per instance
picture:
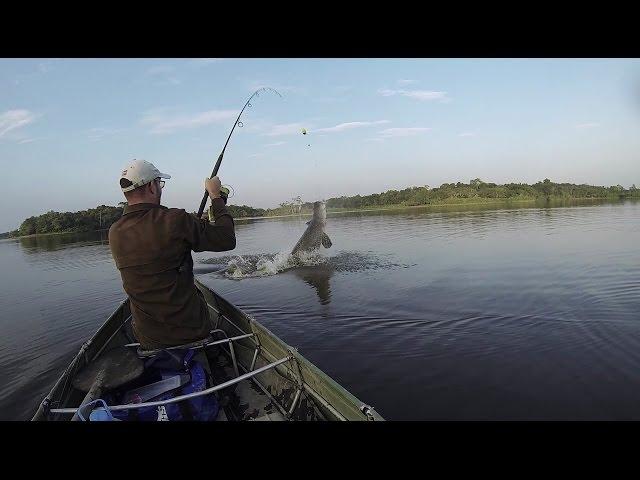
column 237, row 123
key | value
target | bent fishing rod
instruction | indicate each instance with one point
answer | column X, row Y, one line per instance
column 237, row 123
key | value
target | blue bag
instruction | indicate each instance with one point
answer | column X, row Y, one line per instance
column 167, row 364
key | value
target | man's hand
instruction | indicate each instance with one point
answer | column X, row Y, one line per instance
column 212, row 185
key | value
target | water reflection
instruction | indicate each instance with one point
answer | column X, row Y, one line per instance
column 48, row 243
column 318, row 278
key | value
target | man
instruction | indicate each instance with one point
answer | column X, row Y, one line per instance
column 151, row 245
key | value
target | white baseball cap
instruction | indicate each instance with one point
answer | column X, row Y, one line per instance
column 139, row 172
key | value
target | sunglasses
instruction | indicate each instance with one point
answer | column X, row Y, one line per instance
column 160, row 182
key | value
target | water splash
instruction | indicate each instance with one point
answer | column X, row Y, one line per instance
column 268, row 264
column 265, row 264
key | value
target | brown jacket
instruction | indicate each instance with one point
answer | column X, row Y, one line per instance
column 151, row 246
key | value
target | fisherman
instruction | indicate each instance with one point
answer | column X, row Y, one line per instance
column 151, row 245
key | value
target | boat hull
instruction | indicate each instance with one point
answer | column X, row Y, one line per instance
column 287, row 387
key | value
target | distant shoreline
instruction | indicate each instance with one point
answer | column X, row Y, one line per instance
column 336, row 211
column 427, row 205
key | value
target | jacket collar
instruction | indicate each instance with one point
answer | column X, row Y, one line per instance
column 138, row 207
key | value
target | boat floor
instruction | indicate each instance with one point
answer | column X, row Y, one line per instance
column 244, row 401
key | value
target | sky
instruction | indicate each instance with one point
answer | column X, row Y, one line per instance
column 69, row 126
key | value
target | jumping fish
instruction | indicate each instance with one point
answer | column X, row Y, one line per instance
column 314, row 235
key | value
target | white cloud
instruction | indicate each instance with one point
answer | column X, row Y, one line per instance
column 286, row 129
column 256, row 155
column 403, row 132
column 423, row 95
column 406, row 81
column 27, row 140
column 349, row 125
column 588, row 125
column 161, row 122
column 467, row 134
column 14, row 119
column 274, row 144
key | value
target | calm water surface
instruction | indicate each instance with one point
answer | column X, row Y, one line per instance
column 510, row 314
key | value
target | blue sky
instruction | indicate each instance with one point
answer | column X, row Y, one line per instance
column 68, row 126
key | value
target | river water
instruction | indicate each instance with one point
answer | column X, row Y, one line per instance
column 528, row 313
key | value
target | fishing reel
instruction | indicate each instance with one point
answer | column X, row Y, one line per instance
column 226, row 191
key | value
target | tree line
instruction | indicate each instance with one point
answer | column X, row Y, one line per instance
column 477, row 189
column 103, row 216
column 98, row 218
